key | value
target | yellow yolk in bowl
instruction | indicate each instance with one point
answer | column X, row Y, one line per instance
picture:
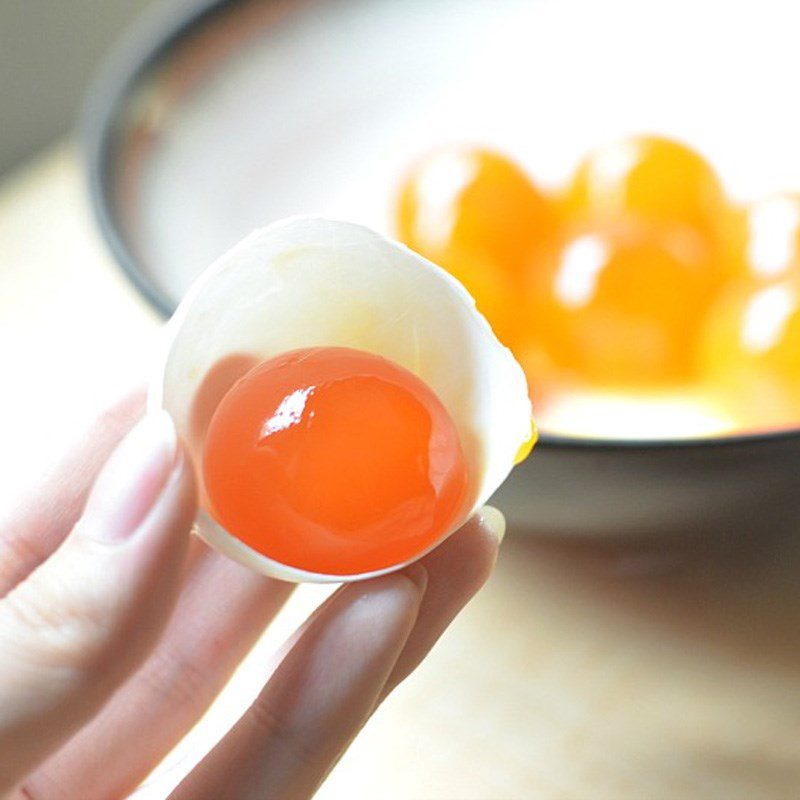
column 614, row 283
column 757, row 324
column 648, row 179
column 751, row 348
column 334, row 461
column 622, row 307
column 477, row 214
column 473, row 201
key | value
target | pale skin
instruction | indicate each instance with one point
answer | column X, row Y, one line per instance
column 118, row 628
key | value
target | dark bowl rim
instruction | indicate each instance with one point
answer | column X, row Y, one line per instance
column 117, row 78
column 146, row 42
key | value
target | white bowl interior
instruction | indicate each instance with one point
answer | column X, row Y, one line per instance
column 318, row 107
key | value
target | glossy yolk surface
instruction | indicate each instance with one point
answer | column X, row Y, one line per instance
column 472, row 200
column 652, row 179
column 756, row 327
column 772, row 237
column 476, row 214
column 624, row 307
column 750, row 352
column 334, row 461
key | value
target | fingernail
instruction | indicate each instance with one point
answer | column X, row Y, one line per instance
column 493, row 520
column 132, row 479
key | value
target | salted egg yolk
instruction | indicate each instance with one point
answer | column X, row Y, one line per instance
column 473, row 200
column 334, row 461
column 477, row 214
column 651, row 179
column 757, row 327
column 466, row 200
column 623, row 307
column 750, row 352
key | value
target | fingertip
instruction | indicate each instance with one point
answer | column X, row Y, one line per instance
column 493, row 520
column 136, row 475
column 178, row 501
column 469, row 553
column 388, row 604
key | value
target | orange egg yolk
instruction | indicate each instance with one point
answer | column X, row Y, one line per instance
column 334, row 461
column 476, row 201
column 478, row 215
column 750, row 352
column 622, row 308
column 649, row 179
column 757, row 327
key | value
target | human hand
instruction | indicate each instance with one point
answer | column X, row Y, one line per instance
column 117, row 630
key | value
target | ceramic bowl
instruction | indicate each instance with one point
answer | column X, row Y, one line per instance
column 214, row 118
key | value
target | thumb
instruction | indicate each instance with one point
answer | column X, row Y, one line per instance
column 86, row 618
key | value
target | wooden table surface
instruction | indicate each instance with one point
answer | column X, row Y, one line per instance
column 578, row 673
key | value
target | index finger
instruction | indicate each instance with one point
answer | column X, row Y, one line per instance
column 35, row 526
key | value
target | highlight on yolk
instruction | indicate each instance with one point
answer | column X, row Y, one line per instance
column 475, row 213
column 772, row 237
column 751, row 348
column 757, row 324
column 651, row 179
column 622, row 307
column 476, row 201
column 334, row 461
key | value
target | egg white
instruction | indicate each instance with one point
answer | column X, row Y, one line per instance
column 307, row 282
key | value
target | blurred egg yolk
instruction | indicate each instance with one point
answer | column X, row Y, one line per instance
column 772, row 237
column 757, row 327
column 476, row 213
column 475, row 201
column 648, row 178
column 622, row 307
column 750, row 352
column 496, row 294
column 334, row 461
